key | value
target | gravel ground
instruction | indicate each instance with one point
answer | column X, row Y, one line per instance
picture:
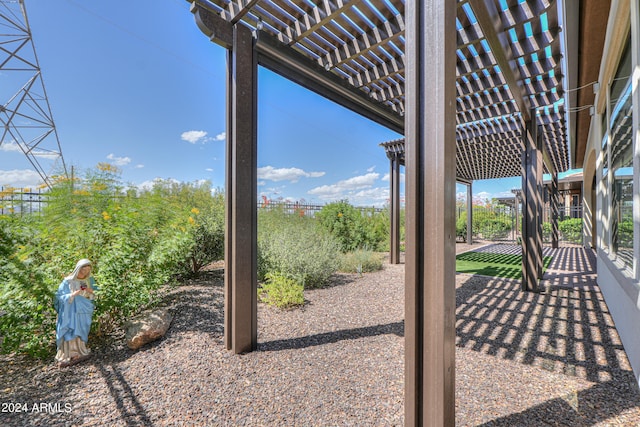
column 552, row 358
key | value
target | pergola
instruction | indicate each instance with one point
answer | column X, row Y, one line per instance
column 477, row 88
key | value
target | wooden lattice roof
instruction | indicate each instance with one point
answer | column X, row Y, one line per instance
column 509, row 61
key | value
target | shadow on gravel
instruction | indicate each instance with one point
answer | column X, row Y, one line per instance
column 197, row 306
column 131, row 411
column 198, row 310
column 587, row 407
column 396, row 328
column 566, row 329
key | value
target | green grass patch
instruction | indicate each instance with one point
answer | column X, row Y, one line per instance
column 508, row 266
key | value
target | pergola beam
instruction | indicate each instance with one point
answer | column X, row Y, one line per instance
column 489, row 19
column 307, row 73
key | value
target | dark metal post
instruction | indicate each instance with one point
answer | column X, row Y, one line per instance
column 394, row 179
column 241, row 309
column 531, row 167
column 430, row 213
column 539, row 196
column 553, row 201
column 469, row 213
column 517, row 213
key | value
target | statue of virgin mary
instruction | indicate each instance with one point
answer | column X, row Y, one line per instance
column 74, row 304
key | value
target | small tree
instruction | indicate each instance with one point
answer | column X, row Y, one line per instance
column 351, row 228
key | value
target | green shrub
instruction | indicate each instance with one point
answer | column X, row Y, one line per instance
column 27, row 318
column 461, row 227
column 491, row 222
column 281, row 291
column 546, row 232
column 138, row 241
column 571, row 230
column 207, row 233
column 295, row 247
column 361, row 261
column 495, row 228
column 353, row 229
column 625, row 234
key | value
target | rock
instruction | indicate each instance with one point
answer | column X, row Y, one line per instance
column 147, row 327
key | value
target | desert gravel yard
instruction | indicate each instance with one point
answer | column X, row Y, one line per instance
column 552, row 358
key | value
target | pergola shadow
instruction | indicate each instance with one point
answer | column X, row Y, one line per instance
column 566, row 329
column 395, row 328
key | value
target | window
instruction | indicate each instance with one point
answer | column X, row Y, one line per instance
column 618, row 164
column 605, row 192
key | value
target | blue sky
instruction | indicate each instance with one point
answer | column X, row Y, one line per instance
column 136, row 84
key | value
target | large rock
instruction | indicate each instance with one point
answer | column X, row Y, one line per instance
column 147, row 327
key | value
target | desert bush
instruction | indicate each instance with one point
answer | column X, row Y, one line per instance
column 281, row 291
column 461, row 226
column 27, row 318
column 352, row 228
column 204, row 242
column 361, row 261
column 138, row 242
column 295, row 247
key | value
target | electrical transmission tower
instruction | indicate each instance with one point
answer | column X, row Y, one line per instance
column 25, row 113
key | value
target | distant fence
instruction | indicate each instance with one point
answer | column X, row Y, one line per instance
column 306, row 209
column 503, row 223
column 21, row 200
column 24, row 201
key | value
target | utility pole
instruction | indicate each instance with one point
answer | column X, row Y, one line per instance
column 25, row 114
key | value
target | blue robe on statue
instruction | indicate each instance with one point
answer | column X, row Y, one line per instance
column 74, row 319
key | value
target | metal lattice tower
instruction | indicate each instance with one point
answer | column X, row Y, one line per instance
column 25, row 114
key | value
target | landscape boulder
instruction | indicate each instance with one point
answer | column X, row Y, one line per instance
column 147, row 327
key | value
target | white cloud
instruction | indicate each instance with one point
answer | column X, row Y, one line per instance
column 10, row 147
column 139, row 166
column 119, row 161
column 504, row 194
column 209, row 169
column 200, row 136
column 285, row 174
column 13, row 147
column 377, row 197
column 148, row 185
column 194, row 136
column 20, row 178
column 371, row 169
column 345, row 188
column 386, row 177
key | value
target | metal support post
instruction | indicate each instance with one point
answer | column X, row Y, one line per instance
column 553, row 202
column 241, row 306
column 394, row 179
column 470, row 213
column 430, row 153
column 531, row 242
